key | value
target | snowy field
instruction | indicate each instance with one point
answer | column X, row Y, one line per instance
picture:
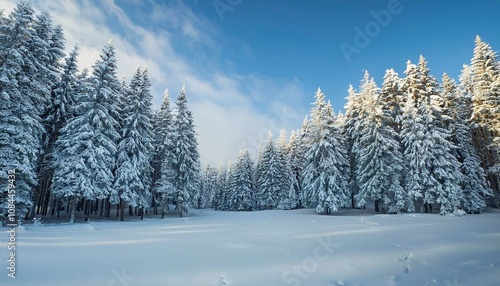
column 351, row 247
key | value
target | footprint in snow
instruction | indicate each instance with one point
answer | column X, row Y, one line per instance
column 407, row 269
column 224, row 280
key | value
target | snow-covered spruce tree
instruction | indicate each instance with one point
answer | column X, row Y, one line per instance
column 349, row 131
column 63, row 101
column 132, row 185
column 86, row 148
column 432, row 169
column 225, row 203
column 269, row 176
column 24, row 97
column 163, row 173
column 304, row 143
column 241, row 184
column 325, row 175
column 209, row 186
column 380, row 162
column 297, row 154
column 392, row 99
column 444, row 165
column 473, row 180
column 186, row 156
column 220, row 186
column 415, row 139
column 287, row 199
column 486, row 109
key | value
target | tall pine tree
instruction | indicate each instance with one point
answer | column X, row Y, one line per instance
column 86, row 149
column 133, row 174
column 186, row 156
column 326, row 169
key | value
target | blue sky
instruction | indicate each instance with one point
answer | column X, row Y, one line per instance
column 254, row 65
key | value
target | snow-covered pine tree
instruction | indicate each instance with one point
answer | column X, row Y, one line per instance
column 415, row 139
column 132, row 183
column 287, row 198
column 325, row 175
column 187, row 158
column 349, row 131
column 297, row 153
column 226, row 183
column 443, row 162
column 209, row 186
column 163, row 177
column 380, row 162
column 63, row 101
column 474, row 182
column 218, row 201
column 86, row 148
column 241, row 186
column 24, row 97
column 392, row 99
column 432, row 169
column 486, row 109
column 268, row 171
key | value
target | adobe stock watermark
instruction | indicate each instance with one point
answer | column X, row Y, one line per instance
column 223, row 6
column 300, row 272
column 363, row 36
column 11, row 223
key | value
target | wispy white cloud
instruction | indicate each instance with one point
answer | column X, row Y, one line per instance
column 231, row 110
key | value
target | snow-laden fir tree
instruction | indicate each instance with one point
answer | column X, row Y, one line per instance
column 444, row 165
column 186, row 156
column 86, row 148
column 163, row 177
column 24, row 98
column 353, row 109
column 209, row 186
column 297, row 153
column 486, row 109
column 132, row 185
column 432, row 170
column 415, row 139
column 380, row 161
column 49, row 50
column 325, row 175
column 241, row 184
column 287, row 198
column 63, row 101
column 220, row 186
column 269, row 175
column 474, row 183
column 392, row 99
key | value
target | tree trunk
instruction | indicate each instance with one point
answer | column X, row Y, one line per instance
column 108, row 208
column 52, row 208
column 101, row 211
column 122, row 210
column 72, row 205
column 163, row 204
column 58, row 206
column 376, row 205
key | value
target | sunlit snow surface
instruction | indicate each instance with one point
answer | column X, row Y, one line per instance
column 299, row 247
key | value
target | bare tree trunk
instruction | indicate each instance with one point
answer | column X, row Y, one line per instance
column 108, row 208
column 72, row 205
column 163, row 206
column 122, row 210
column 51, row 203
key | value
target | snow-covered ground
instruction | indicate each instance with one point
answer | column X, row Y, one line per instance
column 299, row 247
